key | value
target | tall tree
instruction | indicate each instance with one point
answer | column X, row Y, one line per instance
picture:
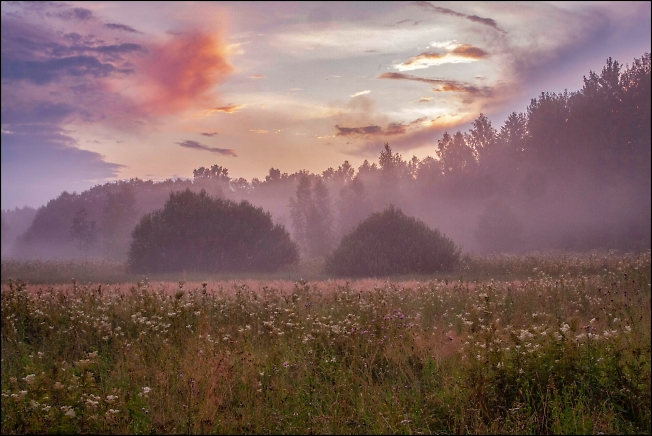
column 456, row 155
column 354, row 205
column 312, row 217
column 83, row 231
column 118, row 220
column 482, row 136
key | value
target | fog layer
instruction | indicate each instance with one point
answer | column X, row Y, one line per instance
column 572, row 172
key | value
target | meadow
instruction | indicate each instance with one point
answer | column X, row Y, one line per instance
column 556, row 343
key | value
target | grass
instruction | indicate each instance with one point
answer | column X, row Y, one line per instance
column 533, row 344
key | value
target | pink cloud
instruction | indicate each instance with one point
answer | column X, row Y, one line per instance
column 182, row 71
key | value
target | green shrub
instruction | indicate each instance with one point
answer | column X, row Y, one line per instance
column 194, row 232
column 390, row 242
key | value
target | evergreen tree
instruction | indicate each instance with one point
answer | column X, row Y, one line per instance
column 312, row 217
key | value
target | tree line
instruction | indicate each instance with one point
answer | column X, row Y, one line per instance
column 570, row 172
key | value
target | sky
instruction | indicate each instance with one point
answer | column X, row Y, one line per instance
column 94, row 92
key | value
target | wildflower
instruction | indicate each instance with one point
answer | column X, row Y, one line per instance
column 30, row 378
column 285, row 364
column 58, row 386
column 628, row 329
column 111, row 398
column 70, row 413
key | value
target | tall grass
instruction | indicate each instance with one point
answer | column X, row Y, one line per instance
column 563, row 348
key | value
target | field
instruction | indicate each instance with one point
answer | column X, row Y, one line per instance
column 534, row 344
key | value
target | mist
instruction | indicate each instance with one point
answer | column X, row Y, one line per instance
column 571, row 172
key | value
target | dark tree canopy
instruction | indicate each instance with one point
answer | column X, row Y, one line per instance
column 390, row 242
column 194, row 232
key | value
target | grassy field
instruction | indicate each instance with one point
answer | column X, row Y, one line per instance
column 531, row 344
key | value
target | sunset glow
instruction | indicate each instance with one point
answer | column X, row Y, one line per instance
column 99, row 91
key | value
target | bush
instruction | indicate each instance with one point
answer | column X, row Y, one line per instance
column 390, row 242
column 194, row 232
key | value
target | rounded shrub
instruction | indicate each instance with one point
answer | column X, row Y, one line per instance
column 389, row 243
column 194, row 232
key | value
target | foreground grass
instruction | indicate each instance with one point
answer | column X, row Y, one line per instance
column 565, row 350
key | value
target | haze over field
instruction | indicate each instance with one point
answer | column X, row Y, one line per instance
column 456, row 113
column 100, row 91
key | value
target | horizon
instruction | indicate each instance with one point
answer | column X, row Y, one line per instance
column 97, row 92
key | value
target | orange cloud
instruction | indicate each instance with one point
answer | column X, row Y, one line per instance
column 423, row 56
column 461, row 53
column 229, row 109
column 468, row 51
column 181, row 72
column 256, row 76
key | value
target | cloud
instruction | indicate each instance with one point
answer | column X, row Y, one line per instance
column 256, row 76
column 40, row 160
column 123, row 27
column 354, row 131
column 424, row 100
column 209, row 133
column 44, row 72
column 197, row 146
column 360, row 93
column 79, row 14
column 372, row 130
column 469, row 51
column 17, row 113
column 183, row 71
column 438, row 9
column 36, row 55
column 258, row 131
column 461, row 53
column 445, row 85
column 229, row 109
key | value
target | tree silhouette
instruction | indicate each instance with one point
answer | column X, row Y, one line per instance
column 194, row 232
column 312, row 217
column 390, row 242
column 83, row 231
column 118, row 220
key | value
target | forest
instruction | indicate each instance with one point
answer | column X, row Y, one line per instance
column 570, row 173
